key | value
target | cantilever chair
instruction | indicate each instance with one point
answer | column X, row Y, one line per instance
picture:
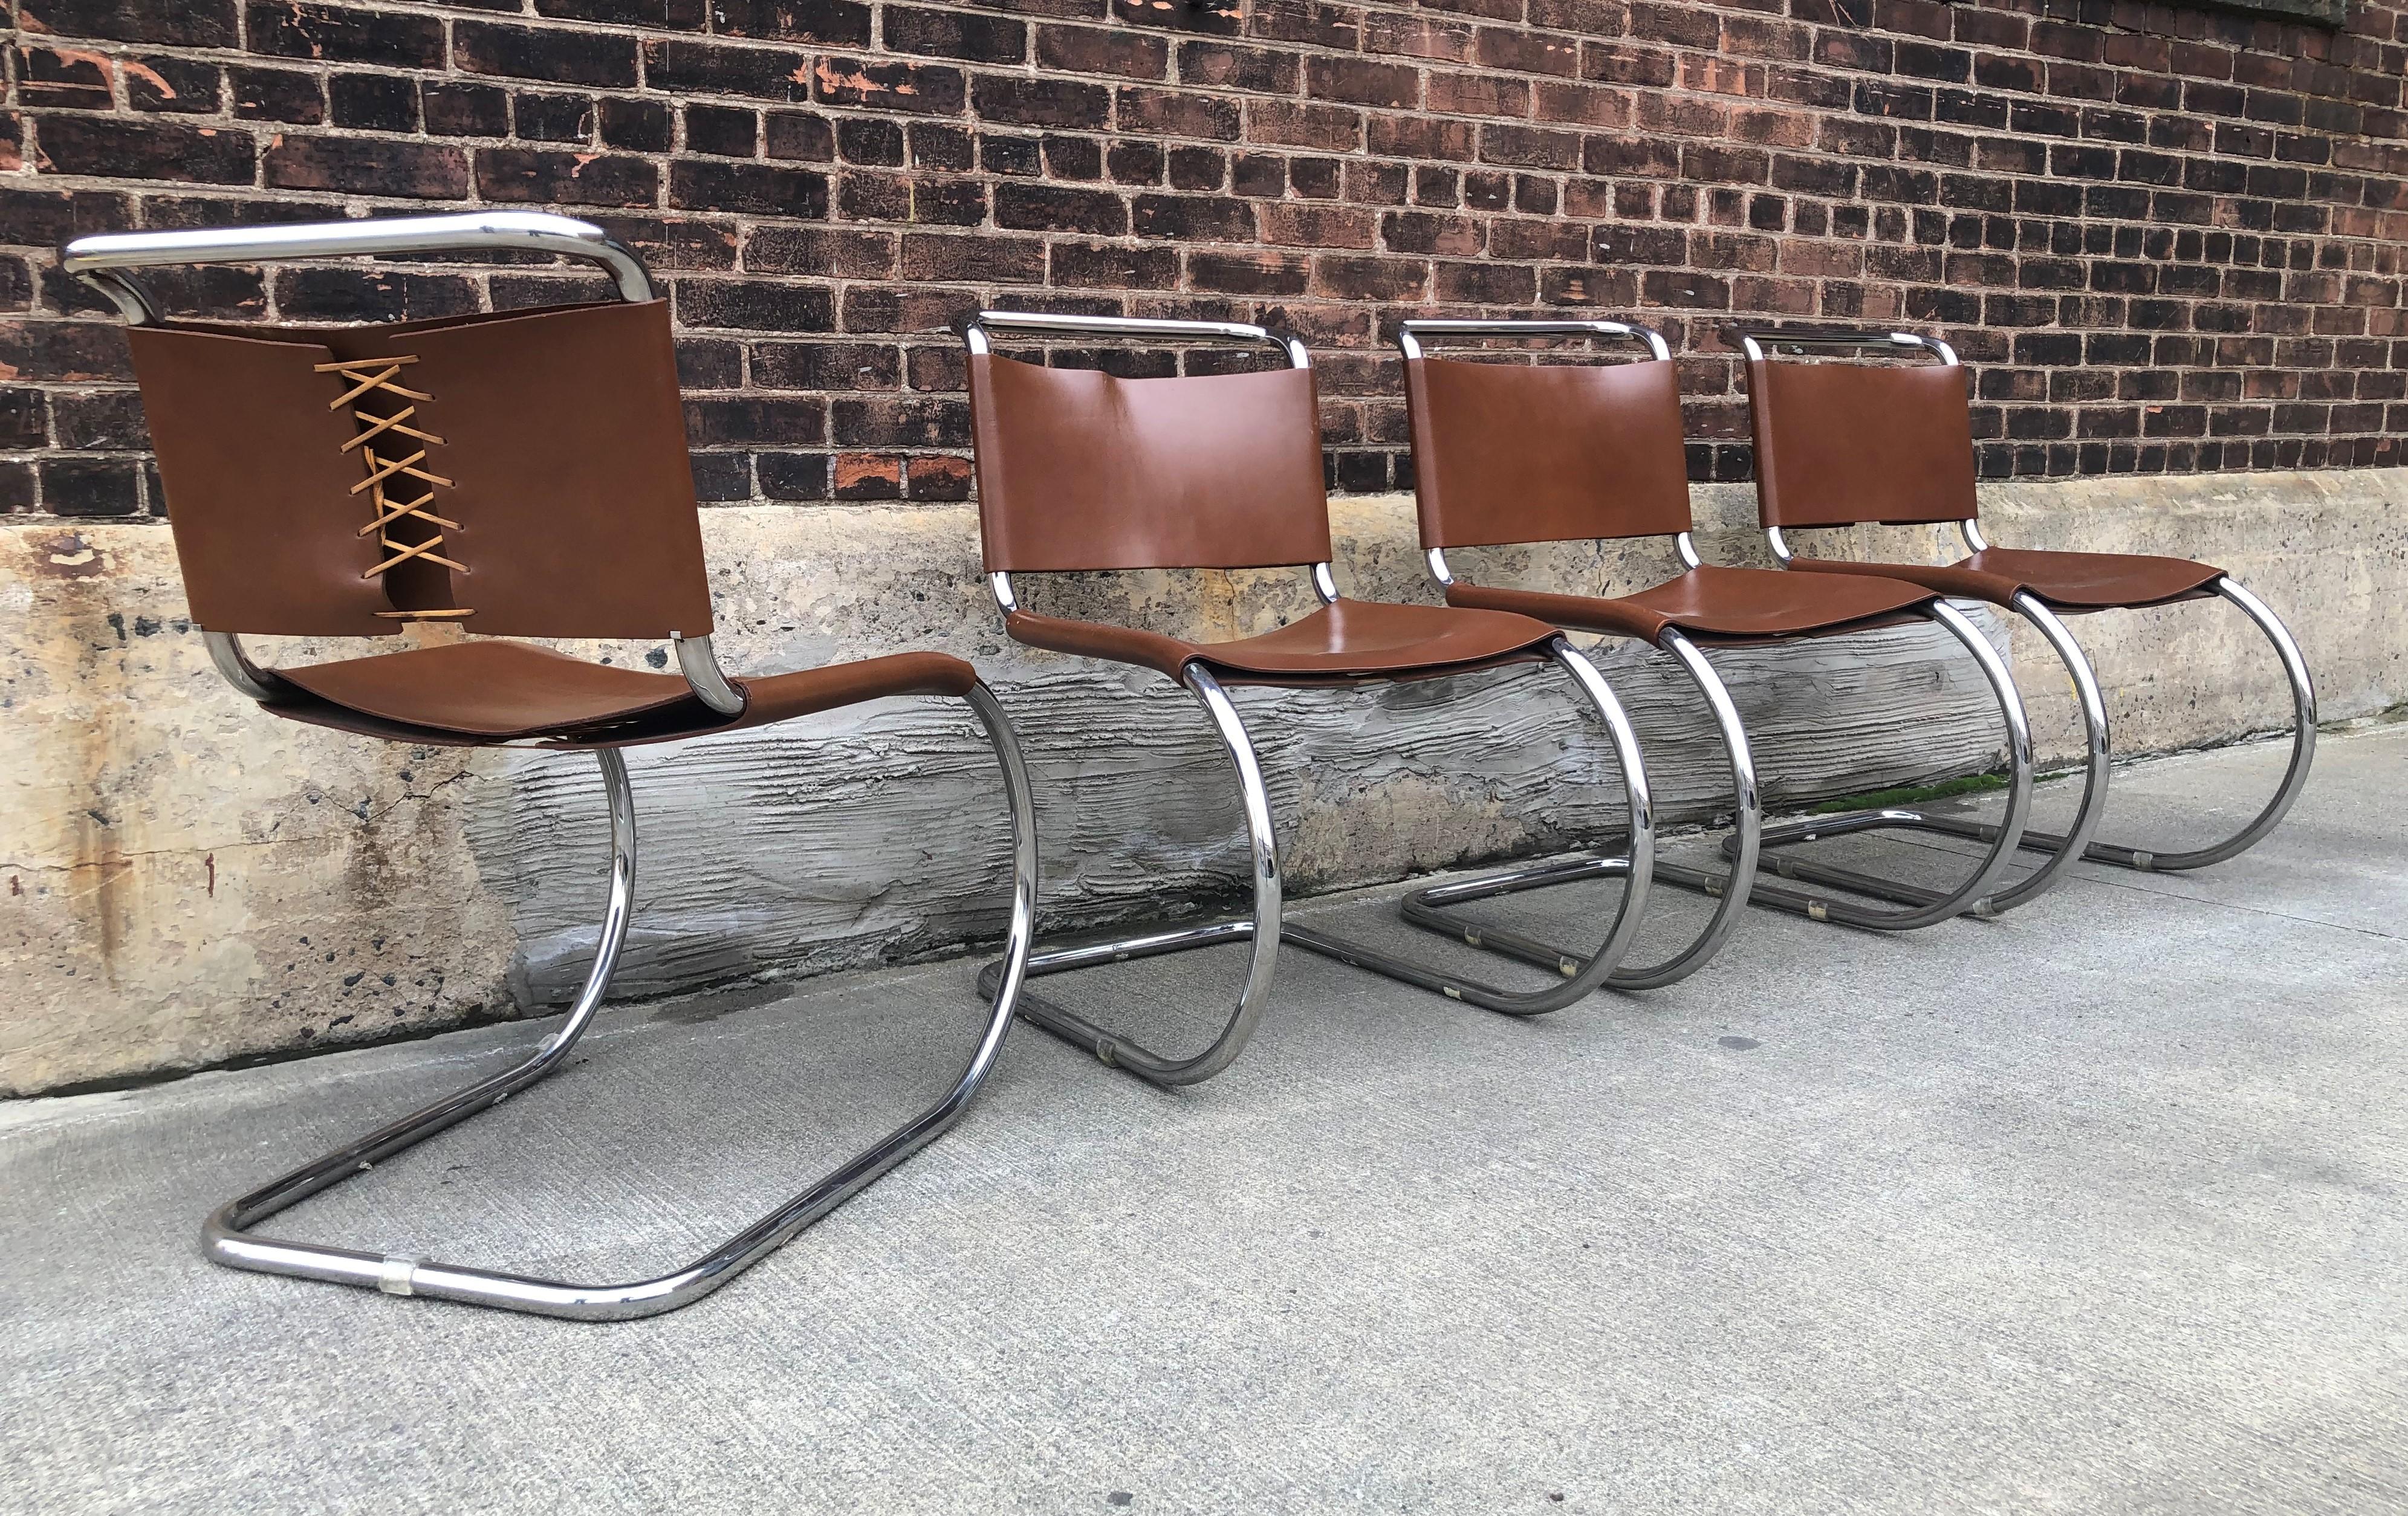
column 519, row 474
column 1839, row 444
column 1079, row 470
column 1507, row 453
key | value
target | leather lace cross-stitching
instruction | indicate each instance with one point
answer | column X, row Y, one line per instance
column 392, row 470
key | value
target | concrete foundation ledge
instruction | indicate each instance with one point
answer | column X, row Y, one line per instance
column 189, row 882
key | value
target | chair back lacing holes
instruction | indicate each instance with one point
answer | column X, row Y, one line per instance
column 375, row 376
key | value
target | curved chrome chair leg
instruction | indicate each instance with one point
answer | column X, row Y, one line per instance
column 1263, row 931
column 1267, row 930
column 2078, row 843
column 2096, row 753
column 227, row 1239
column 2295, row 778
column 1425, row 909
column 1925, row 907
column 1581, row 976
column 2087, row 812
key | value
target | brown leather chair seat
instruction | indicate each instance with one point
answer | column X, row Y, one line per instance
column 1349, row 642
column 481, row 693
column 512, row 474
column 1726, row 604
column 2071, row 581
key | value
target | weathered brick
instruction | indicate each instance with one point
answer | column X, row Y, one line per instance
column 1226, row 67
column 967, row 257
column 714, row 69
column 1051, row 208
column 376, row 102
column 1193, row 217
column 1025, row 101
column 295, row 97
column 558, row 55
column 949, row 34
column 524, row 174
column 1086, row 49
column 73, row 80
column 365, row 165
column 201, row 23
column 363, row 293
column 836, row 24
column 1113, row 266
column 1324, row 128
column 759, row 189
column 1317, row 226
column 842, row 252
column 920, row 88
column 1363, row 82
column 1179, row 113
column 300, row 29
column 2163, row 236
column 754, row 306
column 868, row 196
column 90, row 486
column 1381, row 279
column 1266, row 273
column 101, row 146
column 900, row 421
column 754, row 420
column 676, row 15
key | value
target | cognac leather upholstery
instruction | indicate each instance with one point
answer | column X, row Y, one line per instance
column 2067, row 582
column 1549, row 453
column 1079, row 471
column 555, row 443
column 1839, row 443
column 481, row 693
column 1347, row 643
column 562, row 437
column 1730, row 605
column 1515, row 453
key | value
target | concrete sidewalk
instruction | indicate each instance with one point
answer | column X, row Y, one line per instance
column 2095, row 1207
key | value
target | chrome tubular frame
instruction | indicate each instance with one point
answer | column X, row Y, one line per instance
column 1264, row 929
column 1753, row 340
column 2075, row 842
column 105, row 263
column 1409, row 336
column 1426, row 907
column 227, row 1237
column 1922, row 906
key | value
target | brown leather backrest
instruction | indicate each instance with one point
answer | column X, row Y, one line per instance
column 1545, row 453
column 1838, row 443
column 1077, row 470
column 558, row 497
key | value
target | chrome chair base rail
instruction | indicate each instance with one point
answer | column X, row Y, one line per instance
column 2063, row 848
column 1978, row 895
column 1855, row 881
column 1425, row 909
column 2295, row 776
column 227, row 1238
column 1265, row 931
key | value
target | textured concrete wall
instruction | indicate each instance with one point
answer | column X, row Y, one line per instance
column 188, row 881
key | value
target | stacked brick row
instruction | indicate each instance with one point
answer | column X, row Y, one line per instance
column 2168, row 238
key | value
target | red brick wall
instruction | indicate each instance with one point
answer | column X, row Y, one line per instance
column 2169, row 238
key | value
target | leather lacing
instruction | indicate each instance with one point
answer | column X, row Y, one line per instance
column 375, row 377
